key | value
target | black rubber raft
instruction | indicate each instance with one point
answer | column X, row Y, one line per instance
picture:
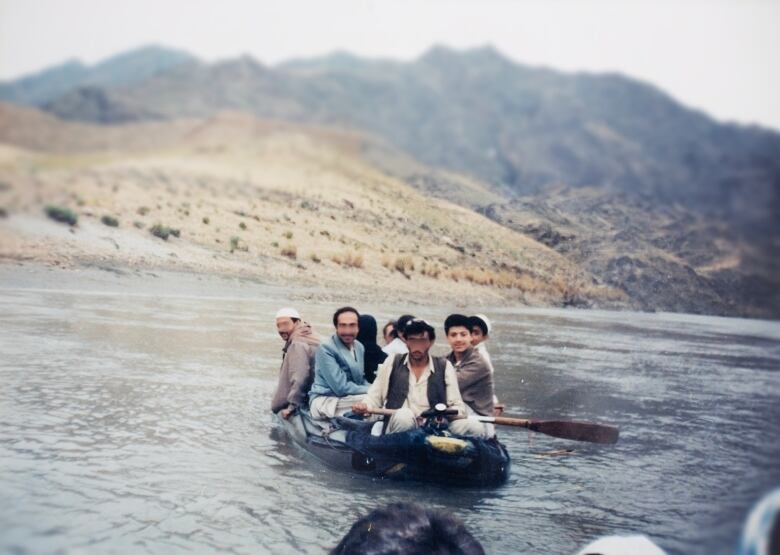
column 429, row 453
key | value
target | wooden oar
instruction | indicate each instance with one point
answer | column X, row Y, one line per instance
column 577, row 431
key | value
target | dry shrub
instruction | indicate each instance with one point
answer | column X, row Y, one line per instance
column 290, row 251
column 430, row 270
column 559, row 285
column 353, row 259
column 603, row 293
column 350, row 259
column 236, row 244
column 404, row 264
column 110, row 221
column 502, row 279
column 62, row 214
column 163, row 231
column 478, row 276
column 528, row 283
column 608, row 293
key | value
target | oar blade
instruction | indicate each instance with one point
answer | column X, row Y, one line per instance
column 577, row 431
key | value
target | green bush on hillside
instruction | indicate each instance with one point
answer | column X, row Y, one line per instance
column 62, row 214
column 163, row 231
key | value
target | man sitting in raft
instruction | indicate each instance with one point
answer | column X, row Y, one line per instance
column 297, row 371
column 414, row 382
column 474, row 376
column 339, row 381
column 480, row 333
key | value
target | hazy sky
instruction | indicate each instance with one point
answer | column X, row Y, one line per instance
column 720, row 55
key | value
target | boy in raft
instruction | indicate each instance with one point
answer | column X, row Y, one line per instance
column 475, row 379
column 480, row 333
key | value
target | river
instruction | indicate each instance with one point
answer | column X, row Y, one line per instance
column 134, row 418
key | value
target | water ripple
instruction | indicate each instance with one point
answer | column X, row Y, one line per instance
column 139, row 423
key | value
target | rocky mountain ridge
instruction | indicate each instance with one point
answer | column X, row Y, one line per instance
column 678, row 211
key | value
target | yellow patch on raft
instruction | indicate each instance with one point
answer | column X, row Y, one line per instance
column 449, row 445
column 396, row 468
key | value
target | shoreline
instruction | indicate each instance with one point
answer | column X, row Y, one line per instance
column 33, row 275
column 27, row 239
column 36, row 275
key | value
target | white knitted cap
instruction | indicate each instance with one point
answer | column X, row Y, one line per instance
column 288, row 313
column 487, row 322
column 621, row 545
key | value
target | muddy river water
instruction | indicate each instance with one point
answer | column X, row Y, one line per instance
column 134, row 418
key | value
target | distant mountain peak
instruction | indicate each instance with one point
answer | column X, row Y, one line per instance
column 338, row 61
column 340, row 56
column 137, row 65
column 70, row 65
column 245, row 64
column 121, row 69
column 148, row 51
column 438, row 54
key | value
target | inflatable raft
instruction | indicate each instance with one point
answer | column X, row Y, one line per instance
column 429, row 453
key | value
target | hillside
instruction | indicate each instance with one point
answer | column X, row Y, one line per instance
column 670, row 258
column 278, row 202
column 618, row 180
column 475, row 112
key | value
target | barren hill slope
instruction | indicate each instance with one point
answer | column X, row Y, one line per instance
column 275, row 201
column 476, row 112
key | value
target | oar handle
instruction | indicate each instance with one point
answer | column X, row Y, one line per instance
column 383, row 412
column 505, row 420
column 391, row 412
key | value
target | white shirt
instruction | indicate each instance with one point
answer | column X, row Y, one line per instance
column 395, row 347
column 484, row 352
column 417, row 398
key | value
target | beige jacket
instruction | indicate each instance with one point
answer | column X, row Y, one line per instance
column 475, row 381
column 297, row 371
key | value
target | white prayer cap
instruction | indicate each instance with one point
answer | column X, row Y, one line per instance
column 484, row 318
column 759, row 534
column 288, row 312
column 620, row 545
